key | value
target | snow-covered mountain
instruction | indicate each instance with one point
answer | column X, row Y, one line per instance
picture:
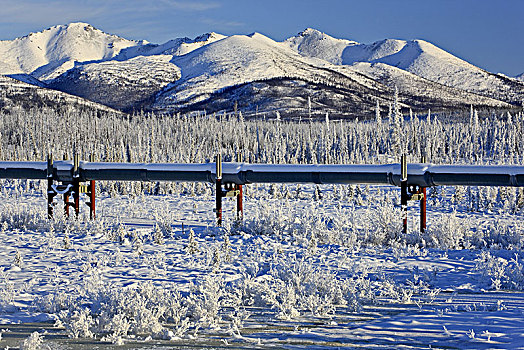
column 259, row 73
column 520, row 77
column 126, row 85
column 253, row 72
column 243, row 59
column 49, row 53
column 415, row 56
column 423, row 92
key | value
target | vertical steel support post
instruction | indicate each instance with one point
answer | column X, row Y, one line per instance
column 218, row 194
column 404, row 192
column 423, row 204
column 66, row 196
column 76, row 184
column 50, row 191
column 240, row 198
column 92, row 194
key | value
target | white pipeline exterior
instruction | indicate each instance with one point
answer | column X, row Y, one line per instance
column 419, row 174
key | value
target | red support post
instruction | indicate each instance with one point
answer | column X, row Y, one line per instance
column 423, row 211
column 240, row 204
column 92, row 196
column 240, row 195
column 423, row 204
column 91, row 192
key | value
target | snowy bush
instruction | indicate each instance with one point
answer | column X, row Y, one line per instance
column 33, row 342
column 385, row 225
column 450, row 232
column 499, row 272
column 22, row 217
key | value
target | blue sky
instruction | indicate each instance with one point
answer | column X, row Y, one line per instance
column 489, row 34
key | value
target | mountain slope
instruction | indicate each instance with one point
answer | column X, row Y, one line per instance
column 520, row 77
column 423, row 92
column 126, row 85
column 15, row 94
column 131, row 80
column 53, row 51
column 418, row 57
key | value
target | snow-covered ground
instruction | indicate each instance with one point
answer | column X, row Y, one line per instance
column 304, row 269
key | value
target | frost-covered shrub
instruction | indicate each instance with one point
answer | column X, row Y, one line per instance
column 298, row 286
column 142, row 307
column 192, row 244
column 450, row 232
column 206, row 299
column 116, row 312
column 505, row 235
column 22, row 217
column 55, row 302
column 119, row 233
column 78, row 323
column 499, row 272
column 382, row 225
column 308, row 227
column 453, row 232
column 268, row 221
column 7, row 289
column 164, row 219
column 33, row 342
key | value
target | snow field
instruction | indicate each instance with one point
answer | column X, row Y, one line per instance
column 297, row 271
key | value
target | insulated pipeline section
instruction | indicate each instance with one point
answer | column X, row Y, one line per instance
column 317, row 177
column 318, row 174
column 23, row 170
column 475, row 175
column 146, row 172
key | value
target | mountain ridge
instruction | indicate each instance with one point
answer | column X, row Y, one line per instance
column 212, row 71
column 429, row 62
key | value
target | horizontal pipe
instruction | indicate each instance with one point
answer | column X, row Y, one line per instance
column 23, row 170
column 420, row 174
column 146, row 172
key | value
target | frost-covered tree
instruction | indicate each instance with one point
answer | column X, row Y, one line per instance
column 378, row 119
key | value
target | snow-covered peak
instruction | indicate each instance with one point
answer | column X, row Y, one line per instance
column 435, row 64
column 41, row 53
column 175, row 47
column 198, row 42
column 520, row 77
column 400, row 53
column 235, row 51
column 313, row 43
column 209, row 37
